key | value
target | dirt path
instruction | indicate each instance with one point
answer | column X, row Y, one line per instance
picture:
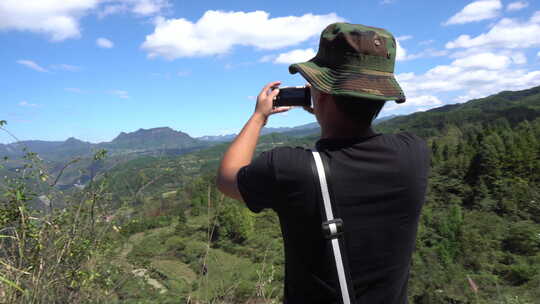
column 143, row 273
column 139, row 272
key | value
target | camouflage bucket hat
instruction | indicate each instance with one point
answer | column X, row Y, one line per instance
column 354, row 60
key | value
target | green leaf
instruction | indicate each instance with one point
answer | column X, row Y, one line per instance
column 10, row 283
column 19, row 195
column 3, row 123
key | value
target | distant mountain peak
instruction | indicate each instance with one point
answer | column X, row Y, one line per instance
column 164, row 137
column 298, row 131
column 158, row 130
column 162, row 129
column 73, row 140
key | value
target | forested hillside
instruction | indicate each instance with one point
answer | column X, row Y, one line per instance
column 125, row 147
column 167, row 236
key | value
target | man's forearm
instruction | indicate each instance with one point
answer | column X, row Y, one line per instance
column 242, row 148
column 239, row 154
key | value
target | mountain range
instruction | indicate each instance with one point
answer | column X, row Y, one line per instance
column 479, row 224
column 142, row 141
column 480, row 220
column 298, row 131
column 161, row 140
column 166, row 142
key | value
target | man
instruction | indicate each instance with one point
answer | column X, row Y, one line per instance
column 378, row 181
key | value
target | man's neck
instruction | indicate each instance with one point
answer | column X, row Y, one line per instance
column 346, row 132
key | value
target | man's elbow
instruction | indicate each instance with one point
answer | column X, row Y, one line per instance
column 220, row 183
column 226, row 184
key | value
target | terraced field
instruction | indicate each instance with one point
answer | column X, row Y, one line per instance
column 184, row 264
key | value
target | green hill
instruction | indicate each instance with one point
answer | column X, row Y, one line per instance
column 514, row 107
column 481, row 219
column 177, row 238
column 125, row 147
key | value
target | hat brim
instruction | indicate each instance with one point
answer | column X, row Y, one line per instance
column 350, row 81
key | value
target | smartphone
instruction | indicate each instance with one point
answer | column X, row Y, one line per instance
column 293, row 96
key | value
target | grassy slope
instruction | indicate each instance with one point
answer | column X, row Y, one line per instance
column 175, row 257
column 183, row 186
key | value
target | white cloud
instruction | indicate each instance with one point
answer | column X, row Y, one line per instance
column 32, row 65
column 516, row 6
column 404, row 38
column 268, row 58
column 63, row 67
column 488, row 61
column 413, row 104
column 217, row 32
column 507, row 33
column 401, row 52
column 472, row 76
column 74, row 90
column 66, row 67
column 120, row 93
column 426, row 42
column 295, row 56
column 519, row 58
column 25, row 103
column 405, row 76
column 59, row 19
column 183, row 73
column 138, row 7
column 112, row 9
column 424, row 101
column 104, row 43
column 476, row 11
column 148, row 7
column 535, row 17
column 538, row 54
column 427, row 53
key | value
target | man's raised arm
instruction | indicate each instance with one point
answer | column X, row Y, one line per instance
column 240, row 152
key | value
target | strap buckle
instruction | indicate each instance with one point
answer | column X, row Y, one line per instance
column 332, row 229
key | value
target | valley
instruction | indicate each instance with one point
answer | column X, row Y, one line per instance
column 166, row 235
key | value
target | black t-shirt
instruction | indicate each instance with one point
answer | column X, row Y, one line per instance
column 378, row 184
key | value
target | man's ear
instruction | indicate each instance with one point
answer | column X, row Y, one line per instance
column 324, row 98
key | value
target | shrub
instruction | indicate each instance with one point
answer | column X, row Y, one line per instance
column 145, row 223
column 523, row 238
column 236, row 222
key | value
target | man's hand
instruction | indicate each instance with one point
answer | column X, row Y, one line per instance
column 241, row 150
column 310, row 108
column 265, row 100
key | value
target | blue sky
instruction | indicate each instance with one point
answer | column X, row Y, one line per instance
column 91, row 69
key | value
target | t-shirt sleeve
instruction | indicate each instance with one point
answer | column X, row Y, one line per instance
column 420, row 154
column 423, row 153
column 257, row 183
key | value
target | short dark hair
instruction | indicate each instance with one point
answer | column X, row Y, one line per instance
column 360, row 110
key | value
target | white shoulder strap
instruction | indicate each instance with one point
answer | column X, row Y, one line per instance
column 333, row 229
